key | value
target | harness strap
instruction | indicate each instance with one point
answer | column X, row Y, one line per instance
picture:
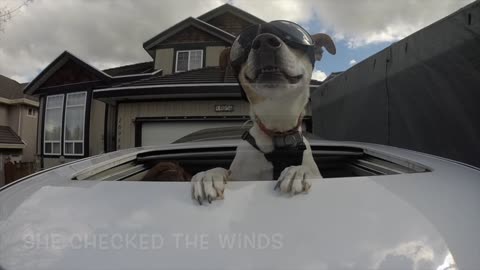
column 288, row 151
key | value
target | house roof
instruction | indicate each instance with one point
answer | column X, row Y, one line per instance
column 232, row 9
column 8, row 136
column 138, row 68
column 190, row 21
column 195, row 76
column 11, row 89
column 209, row 83
column 61, row 60
column 207, row 75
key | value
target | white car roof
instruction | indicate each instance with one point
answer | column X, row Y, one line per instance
column 411, row 221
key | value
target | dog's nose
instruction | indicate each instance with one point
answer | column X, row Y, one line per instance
column 266, row 41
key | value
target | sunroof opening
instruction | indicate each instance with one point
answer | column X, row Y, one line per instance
column 179, row 165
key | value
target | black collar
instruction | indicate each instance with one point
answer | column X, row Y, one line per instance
column 287, row 151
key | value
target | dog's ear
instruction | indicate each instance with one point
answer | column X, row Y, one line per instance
column 224, row 59
column 323, row 40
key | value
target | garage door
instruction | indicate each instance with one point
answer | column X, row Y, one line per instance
column 156, row 133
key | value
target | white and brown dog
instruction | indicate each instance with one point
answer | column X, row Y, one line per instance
column 273, row 63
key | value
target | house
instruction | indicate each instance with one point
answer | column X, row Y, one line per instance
column 18, row 125
column 85, row 111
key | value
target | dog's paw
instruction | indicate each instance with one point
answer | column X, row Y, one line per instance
column 209, row 185
column 294, row 180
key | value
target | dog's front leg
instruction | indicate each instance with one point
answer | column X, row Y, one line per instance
column 298, row 179
column 209, row 185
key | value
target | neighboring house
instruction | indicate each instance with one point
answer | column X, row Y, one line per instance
column 85, row 111
column 18, row 125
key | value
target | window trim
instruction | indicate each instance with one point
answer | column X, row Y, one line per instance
column 64, row 140
column 188, row 63
column 61, row 126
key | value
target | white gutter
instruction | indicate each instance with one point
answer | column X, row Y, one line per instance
column 138, row 75
column 25, row 101
column 164, row 86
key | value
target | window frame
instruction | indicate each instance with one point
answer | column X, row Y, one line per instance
column 61, row 126
column 64, row 139
column 188, row 62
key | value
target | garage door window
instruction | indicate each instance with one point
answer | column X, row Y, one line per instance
column 187, row 60
column 74, row 123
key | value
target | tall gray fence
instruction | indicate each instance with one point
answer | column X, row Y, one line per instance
column 421, row 93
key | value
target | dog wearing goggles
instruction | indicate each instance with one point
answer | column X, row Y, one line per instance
column 273, row 63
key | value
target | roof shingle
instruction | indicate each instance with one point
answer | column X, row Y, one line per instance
column 8, row 136
column 137, row 68
column 195, row 76
column 11, row 89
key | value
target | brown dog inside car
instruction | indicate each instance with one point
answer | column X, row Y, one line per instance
column 167, row 171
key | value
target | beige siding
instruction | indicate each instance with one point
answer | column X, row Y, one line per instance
column 13, row 117
column 164, row 60
column 28, row 133
column 3, row 115
column 213, row 55
column 127, row 112
column 97, row 122
column 39, row 126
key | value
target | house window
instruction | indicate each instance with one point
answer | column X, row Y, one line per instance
column 74, row 123
column 188, row 60
column 53, row 125
column 32, row 112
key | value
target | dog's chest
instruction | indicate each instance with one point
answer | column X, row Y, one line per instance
column 250, row 165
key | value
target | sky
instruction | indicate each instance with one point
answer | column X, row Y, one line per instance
column 109, row 33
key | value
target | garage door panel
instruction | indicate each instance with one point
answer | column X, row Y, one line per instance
column 158, row 133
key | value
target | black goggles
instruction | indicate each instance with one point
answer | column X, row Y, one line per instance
column 291, row 33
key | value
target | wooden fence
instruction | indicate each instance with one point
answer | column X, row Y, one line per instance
column 14, row 171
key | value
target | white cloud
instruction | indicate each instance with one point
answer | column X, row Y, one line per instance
column 293, row 10
column 367, row 22
column 319, row 75
column 106, row 33
column 353, row 62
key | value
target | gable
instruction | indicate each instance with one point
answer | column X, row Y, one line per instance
column 227, row 8
column 190, row 30
column 230, row 23
column 69, row 73
column 65, row 69
column 192, row 34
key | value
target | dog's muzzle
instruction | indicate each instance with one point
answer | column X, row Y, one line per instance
column 267, row 52
column 265, row 48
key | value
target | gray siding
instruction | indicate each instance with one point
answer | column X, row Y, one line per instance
column 127, row 112
column 111, row 128
column 97, row 123
column 51, row 162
